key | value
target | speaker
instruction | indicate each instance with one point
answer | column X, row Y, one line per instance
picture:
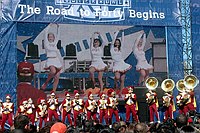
column 59, row 46
column 70, row 50
column 33, row 50
column 106, row 51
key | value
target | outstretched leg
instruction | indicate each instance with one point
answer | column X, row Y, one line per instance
column 91, row 72
column 100, row 76
column 56, row 79
column 50, row 76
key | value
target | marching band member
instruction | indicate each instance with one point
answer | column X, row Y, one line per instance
column 31, row 110
column 78, row 105
column 152, row 100
column 103, row 111
column 168, row 105
column 22, row 107
column 7, row 114
column 42, row 111
column 66, row 108
column 91, row 107
column 181, row 106
column 112, row 106
column 52, row 106
column 191, row 103
column 131, row 105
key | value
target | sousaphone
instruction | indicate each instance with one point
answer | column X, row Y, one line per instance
column 191, row 81
column 180, row 85
column 151, row 83
column 168, row 85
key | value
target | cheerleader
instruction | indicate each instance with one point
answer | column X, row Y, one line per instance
column 54, row 59
column 97, row 65
column 119, row 66
column 143, row 67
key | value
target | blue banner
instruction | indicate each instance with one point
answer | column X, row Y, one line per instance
column 126, row 12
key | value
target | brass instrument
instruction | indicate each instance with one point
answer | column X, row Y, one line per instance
column 94, row 106
column 167, row 86
column 115, row 103
column 180, row 85
column 103, row 104
column 166, row 101
column 44, row 110
column 191, row 81
column 151, row 83
column 150, row 98
column 68, row 107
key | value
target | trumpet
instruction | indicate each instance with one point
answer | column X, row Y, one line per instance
column 94, row 106
column 115, row 103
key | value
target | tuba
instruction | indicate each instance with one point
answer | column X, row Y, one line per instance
column 191, row 81
column 151, row 83
column 167, row 86
column 180, row 85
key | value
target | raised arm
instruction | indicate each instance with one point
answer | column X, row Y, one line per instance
column 143, row 41
column 104, row 42
column 46, row 42
column 137, row 40
column 113, row 39
column 94, row 36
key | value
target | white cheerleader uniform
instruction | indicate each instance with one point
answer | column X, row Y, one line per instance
column 119, row 65
column 97, row 54
column 140, row 55
column 54, row 57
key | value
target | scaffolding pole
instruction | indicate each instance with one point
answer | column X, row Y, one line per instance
column 186, row 35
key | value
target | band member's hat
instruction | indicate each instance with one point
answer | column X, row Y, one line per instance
column 53, row 93
column 102, row 94
column 110, row 91
column 23, row 101
column 42, row 100
column 30, row 100
column 8, row 97
column 130, row 89
column 76, row 93
column 90, row 94
column 1, row 101
column 67, row 94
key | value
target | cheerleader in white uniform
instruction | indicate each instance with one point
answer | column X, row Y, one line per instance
column 119, row 66
column 54, row 59
column 142, row 65
column 97, row 65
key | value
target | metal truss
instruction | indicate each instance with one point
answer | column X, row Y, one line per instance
column 186, row 35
